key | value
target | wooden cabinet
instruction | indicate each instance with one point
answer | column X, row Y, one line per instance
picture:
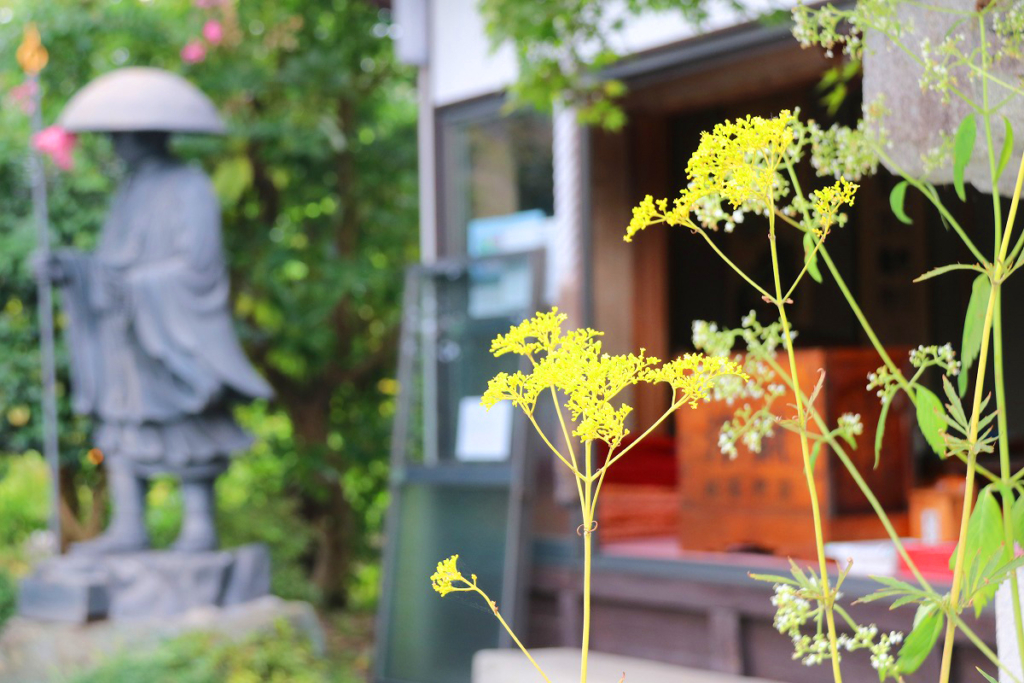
column 760, row 501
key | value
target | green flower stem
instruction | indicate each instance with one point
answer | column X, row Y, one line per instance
column 739, row 271
column 568, row 444
column 1004, row 470
column 982, row 470
column 883, row 517
column 886, row 360
column 807, row 264
column 565, row 429
column 988, row 76
column 828, row 597
column 675, row 406
column 894, row 39
column 865, row 325
column 840, row 452
column 996, row 208
column 1001, row 416
column 982, row 647
column 997, row 351
column 494, row 608
column 588, row 523
column 997, row 276
column 958, row 568
column 557, row 452
column 940, row 207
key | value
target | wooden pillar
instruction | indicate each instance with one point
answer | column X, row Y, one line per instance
column 651, row 162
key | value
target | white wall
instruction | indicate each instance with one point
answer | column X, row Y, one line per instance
column 464, row 66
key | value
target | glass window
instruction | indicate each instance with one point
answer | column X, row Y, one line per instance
column 497, row 182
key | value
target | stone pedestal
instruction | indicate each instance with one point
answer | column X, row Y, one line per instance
column 33, row 651
column 142, row 585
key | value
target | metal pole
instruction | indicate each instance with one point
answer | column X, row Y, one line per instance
column 32, row 56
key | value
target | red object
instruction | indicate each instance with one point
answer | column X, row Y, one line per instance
column 193, row 52
column 58, row 144
column 930, row 559
column 651, row 462
column 213, row 32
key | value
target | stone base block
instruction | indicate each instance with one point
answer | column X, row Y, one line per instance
column 156, row 583
column 34, row 651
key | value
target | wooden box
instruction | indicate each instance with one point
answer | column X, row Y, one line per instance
column 639, row 497
column 760, row 501
column 935, row 511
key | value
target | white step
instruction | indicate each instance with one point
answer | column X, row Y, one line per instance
column 562, row 665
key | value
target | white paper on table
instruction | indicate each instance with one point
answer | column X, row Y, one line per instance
column 483, row 435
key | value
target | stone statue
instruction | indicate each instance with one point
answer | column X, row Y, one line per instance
column 154, row 356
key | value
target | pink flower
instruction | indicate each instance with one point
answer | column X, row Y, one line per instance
column 193, row 52
column 23, row 96
column 206, row 4
column 58, row 144
column 213, row 32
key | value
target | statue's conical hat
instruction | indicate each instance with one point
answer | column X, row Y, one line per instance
column 140, row 99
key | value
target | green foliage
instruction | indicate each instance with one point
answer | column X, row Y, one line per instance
column 931, row 419
column 983, row 553
column 897, row 198
column 281, row 656
column 963, row 148
column 987, row 677
column 1007, row 151
column 8, row 597
column 317, row 180
column 562, row 46
column 958, row 437
column 928, row 624
column 974, row 326
column 24, row 505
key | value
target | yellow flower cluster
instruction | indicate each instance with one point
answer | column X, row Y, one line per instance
column 828, row 200
column 590, row 380
column 693, row 375
column 441, row 580
column 736, row 161
column 540, row 333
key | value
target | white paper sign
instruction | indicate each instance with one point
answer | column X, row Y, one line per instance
column 483, row 435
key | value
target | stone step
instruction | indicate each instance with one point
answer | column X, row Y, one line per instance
column 562, row 665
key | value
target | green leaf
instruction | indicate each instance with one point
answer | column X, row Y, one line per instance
column 897, row 198
column 231, row 179
column 928, row 623
column 1017, row 519
column 815, row 452
column 942, row 270
column 931, row 418
column 905, row 600
column 894, row 583
column 880, row 430
column 987, row 677
column 1004, row 156
column 984, row 542
column 774, row 578
column 956, row 408
column 974, row 327
column 811, row 260
column 963, row 147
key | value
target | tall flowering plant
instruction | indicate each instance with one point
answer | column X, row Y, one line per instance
column 748, row 167
column 585, row 387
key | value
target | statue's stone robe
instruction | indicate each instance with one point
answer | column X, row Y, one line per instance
column 154, row 355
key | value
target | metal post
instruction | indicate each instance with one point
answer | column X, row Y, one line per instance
column 33, row 57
